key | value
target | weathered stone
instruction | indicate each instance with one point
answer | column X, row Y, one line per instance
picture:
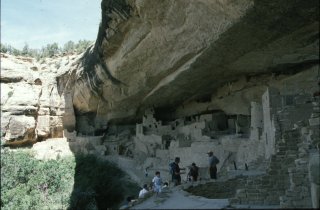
column 35, row 97
column 20, row 128
column 52, row 149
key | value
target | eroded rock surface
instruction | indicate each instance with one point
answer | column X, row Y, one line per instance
column 32, row 109
column 179, row 57
column 171, row 53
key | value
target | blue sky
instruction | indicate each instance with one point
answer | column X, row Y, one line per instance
column 40, row 22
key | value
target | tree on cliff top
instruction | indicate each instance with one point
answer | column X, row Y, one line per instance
column 47, row 51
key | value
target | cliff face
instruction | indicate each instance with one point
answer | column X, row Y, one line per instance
column 174, row 54
column 169, row 79
column 32, row 109
column 179, row 57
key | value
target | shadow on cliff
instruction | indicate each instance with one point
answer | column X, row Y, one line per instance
column 97, row 183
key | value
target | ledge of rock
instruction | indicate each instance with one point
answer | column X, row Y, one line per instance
column 176, row 53
column 181, row 58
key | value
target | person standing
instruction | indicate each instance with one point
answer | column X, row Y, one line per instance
column 176, row 175
column 157, row 183
column 194, row 172
column 213, row 161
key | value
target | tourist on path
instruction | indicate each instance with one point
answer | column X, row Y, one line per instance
column 194, row 172
column 144, row 191
column 213, row 161
column 176, row 175
column 157, row 183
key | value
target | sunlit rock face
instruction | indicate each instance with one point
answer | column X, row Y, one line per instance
column 32, row 109
column 171, row 54
column 180, row 57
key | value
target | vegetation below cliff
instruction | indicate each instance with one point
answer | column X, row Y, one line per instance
column 28, row 183
column 82, row 182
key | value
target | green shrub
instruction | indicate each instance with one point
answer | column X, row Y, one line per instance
column 84, row 182
column 28, row 183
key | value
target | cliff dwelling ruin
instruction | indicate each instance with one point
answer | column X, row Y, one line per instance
column 179, row 78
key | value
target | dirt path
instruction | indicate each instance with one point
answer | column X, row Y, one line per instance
column 176, row 198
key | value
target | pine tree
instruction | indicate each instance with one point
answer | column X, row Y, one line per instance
column 25, row 50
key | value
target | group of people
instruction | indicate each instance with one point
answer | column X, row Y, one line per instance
column 175, row 170
column 194, row 169
column 157, row 185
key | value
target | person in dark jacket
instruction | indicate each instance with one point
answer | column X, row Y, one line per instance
column 176, row 175
column 213, row 161
column 194, row 172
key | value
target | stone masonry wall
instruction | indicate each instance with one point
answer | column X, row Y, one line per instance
column 286, row 182
column 301, row 191
column 298, row 195
column 267, row 189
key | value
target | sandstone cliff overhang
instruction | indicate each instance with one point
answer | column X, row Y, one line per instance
column 166, row 53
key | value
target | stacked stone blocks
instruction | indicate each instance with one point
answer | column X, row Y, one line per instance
column 298, row 194
column 266, row 189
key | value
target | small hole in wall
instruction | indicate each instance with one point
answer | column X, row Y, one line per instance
column 37, row 82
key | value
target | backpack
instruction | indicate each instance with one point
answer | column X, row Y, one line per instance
column 171, row 168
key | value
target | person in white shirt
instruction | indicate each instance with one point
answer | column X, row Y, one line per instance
column 144, row 191
column 157, row 182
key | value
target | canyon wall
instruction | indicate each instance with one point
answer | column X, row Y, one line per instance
column 175, row 53
column 178, row 78
column 32, row 108
column 181, row 58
